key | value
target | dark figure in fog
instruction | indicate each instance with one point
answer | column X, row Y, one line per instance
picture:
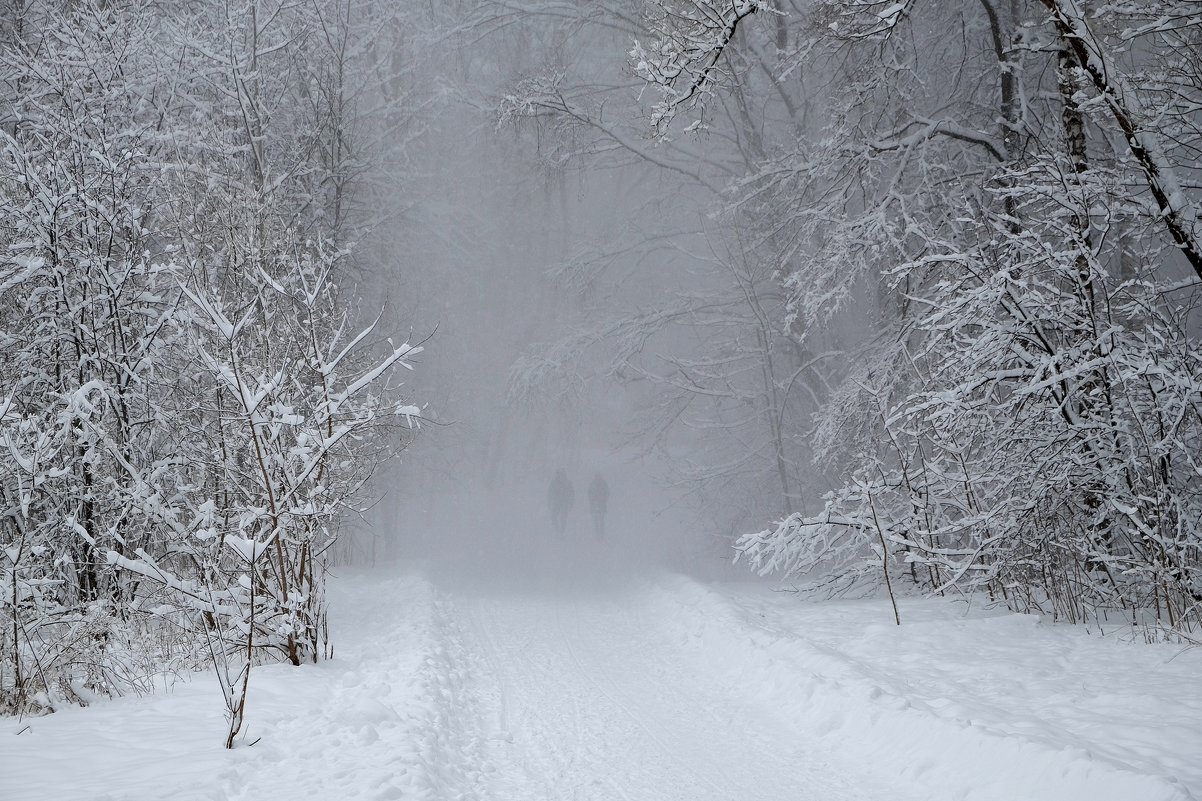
column 598, row 499
column 560, row 497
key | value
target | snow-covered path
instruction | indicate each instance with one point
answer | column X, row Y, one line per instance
column 668, row 688
column 648, row 687
column 593, row 702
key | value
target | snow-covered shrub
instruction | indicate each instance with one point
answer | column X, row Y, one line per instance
column 187, row 405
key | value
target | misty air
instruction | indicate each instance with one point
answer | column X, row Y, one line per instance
column 612, row 400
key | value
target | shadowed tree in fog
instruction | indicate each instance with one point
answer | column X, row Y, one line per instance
column 1022, row 422
column 949, row 287
column 695, row 325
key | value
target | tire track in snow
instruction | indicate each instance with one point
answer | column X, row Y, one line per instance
column 569, row 742
column 761, row 755
column 601, row 706
column 627, row 708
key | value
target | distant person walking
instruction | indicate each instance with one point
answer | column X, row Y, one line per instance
column 598, row 500
column 560, row 497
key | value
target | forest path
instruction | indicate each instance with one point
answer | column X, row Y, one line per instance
column 581, row 683
column 597, row 693
column 655, row 686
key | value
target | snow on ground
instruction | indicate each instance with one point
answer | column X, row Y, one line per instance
column 592, row 702
column 653, row 687
column 377, row 722
column 988, row 706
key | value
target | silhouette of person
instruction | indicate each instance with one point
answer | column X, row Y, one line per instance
column 598, row 499
column 560, row 497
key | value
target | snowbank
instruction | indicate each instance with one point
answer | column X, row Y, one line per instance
column 993, row 707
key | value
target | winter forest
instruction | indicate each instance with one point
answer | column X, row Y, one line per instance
column 539, row 399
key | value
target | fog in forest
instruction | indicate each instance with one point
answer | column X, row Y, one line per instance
column 489, row 277
column 535, row 259
column 893, row 298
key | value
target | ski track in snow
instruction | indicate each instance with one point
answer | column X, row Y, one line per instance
column 649, row 689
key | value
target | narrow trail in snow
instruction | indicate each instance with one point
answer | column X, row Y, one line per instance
column 594, row 700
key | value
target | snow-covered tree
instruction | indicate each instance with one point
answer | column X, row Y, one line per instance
column 190, row 404
column 1019, row 203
